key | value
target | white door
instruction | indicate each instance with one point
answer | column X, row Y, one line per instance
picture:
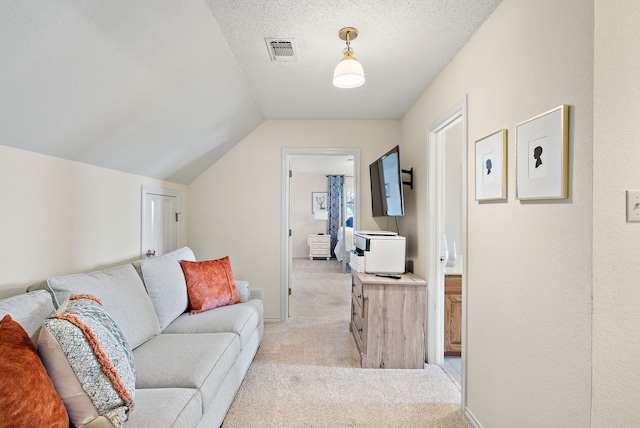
column 290, row 239
column 437, row 227
column 160, row 221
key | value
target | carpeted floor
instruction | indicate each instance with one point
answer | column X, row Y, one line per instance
column 307, row 371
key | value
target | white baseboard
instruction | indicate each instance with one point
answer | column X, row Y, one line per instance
column 471, row 418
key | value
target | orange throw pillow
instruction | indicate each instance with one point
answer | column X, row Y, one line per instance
column 29, row 398
column 210, row 284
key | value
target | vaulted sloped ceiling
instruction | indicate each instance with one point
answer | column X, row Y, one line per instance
column 163, row 88
column 147, row 87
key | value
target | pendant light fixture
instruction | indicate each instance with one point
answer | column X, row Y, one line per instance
column 348, row 72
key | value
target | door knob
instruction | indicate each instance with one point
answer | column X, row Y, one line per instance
column 151, row 253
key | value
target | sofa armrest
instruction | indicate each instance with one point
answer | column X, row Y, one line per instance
column 243, row 290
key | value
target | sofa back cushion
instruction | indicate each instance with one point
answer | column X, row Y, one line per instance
column 165, row 283
column 28, row 309
column 122, row 294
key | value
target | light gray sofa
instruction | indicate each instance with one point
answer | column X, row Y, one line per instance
column 188, row 367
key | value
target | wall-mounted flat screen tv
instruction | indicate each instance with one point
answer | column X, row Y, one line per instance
column 387, row 197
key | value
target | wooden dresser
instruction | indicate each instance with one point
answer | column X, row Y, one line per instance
column 388, row 320
column 452, row 315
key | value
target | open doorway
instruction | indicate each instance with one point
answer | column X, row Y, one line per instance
column 447, row 232
column 298, row 224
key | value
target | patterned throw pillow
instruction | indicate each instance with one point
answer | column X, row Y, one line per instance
column 210, row 284
column 89, row 361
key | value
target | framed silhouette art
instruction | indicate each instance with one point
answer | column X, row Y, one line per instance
column 542, row 156
column 491, row 167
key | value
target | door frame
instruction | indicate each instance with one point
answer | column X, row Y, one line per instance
column 435, row 230
column 144, row 211
column 285, row 240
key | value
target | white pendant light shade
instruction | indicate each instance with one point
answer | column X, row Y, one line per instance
column 348, row 73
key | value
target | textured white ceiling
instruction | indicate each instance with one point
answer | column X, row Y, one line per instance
column 163, row 88
column 402, row 45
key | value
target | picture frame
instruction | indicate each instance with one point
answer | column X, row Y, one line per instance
column 319, row 202
column 491, row 167
column 542, row 156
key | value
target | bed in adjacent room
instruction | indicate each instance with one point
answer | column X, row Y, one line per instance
column 345, row 241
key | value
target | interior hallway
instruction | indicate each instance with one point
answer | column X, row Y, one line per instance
column 307, row 371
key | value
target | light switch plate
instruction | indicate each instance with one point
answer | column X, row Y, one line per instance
column 633, row 206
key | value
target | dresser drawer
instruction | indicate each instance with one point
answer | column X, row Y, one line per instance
column 357, row 326
column 356, row 291
column 319, row 239
column 320, row 253
column 356, row 305
column 319, row 246
column 358, row 323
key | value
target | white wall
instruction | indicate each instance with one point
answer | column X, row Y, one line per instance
column 616, row 249
column 62, row 217
column 236, row 205
column 303, row 223
column 529, row 264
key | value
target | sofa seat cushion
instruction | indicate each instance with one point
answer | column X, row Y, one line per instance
column 123, row 297
column 29, row 310
column 165, row 283
column 165, row 408
column 198, row 361
column 241, row 319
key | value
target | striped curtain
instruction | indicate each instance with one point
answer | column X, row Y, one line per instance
column 335, row 208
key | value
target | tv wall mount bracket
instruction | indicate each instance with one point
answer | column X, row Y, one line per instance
column 410, row 172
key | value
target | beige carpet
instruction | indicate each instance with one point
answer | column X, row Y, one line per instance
column 307, row 372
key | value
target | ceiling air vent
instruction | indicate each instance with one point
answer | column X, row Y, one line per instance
column 281, row 50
